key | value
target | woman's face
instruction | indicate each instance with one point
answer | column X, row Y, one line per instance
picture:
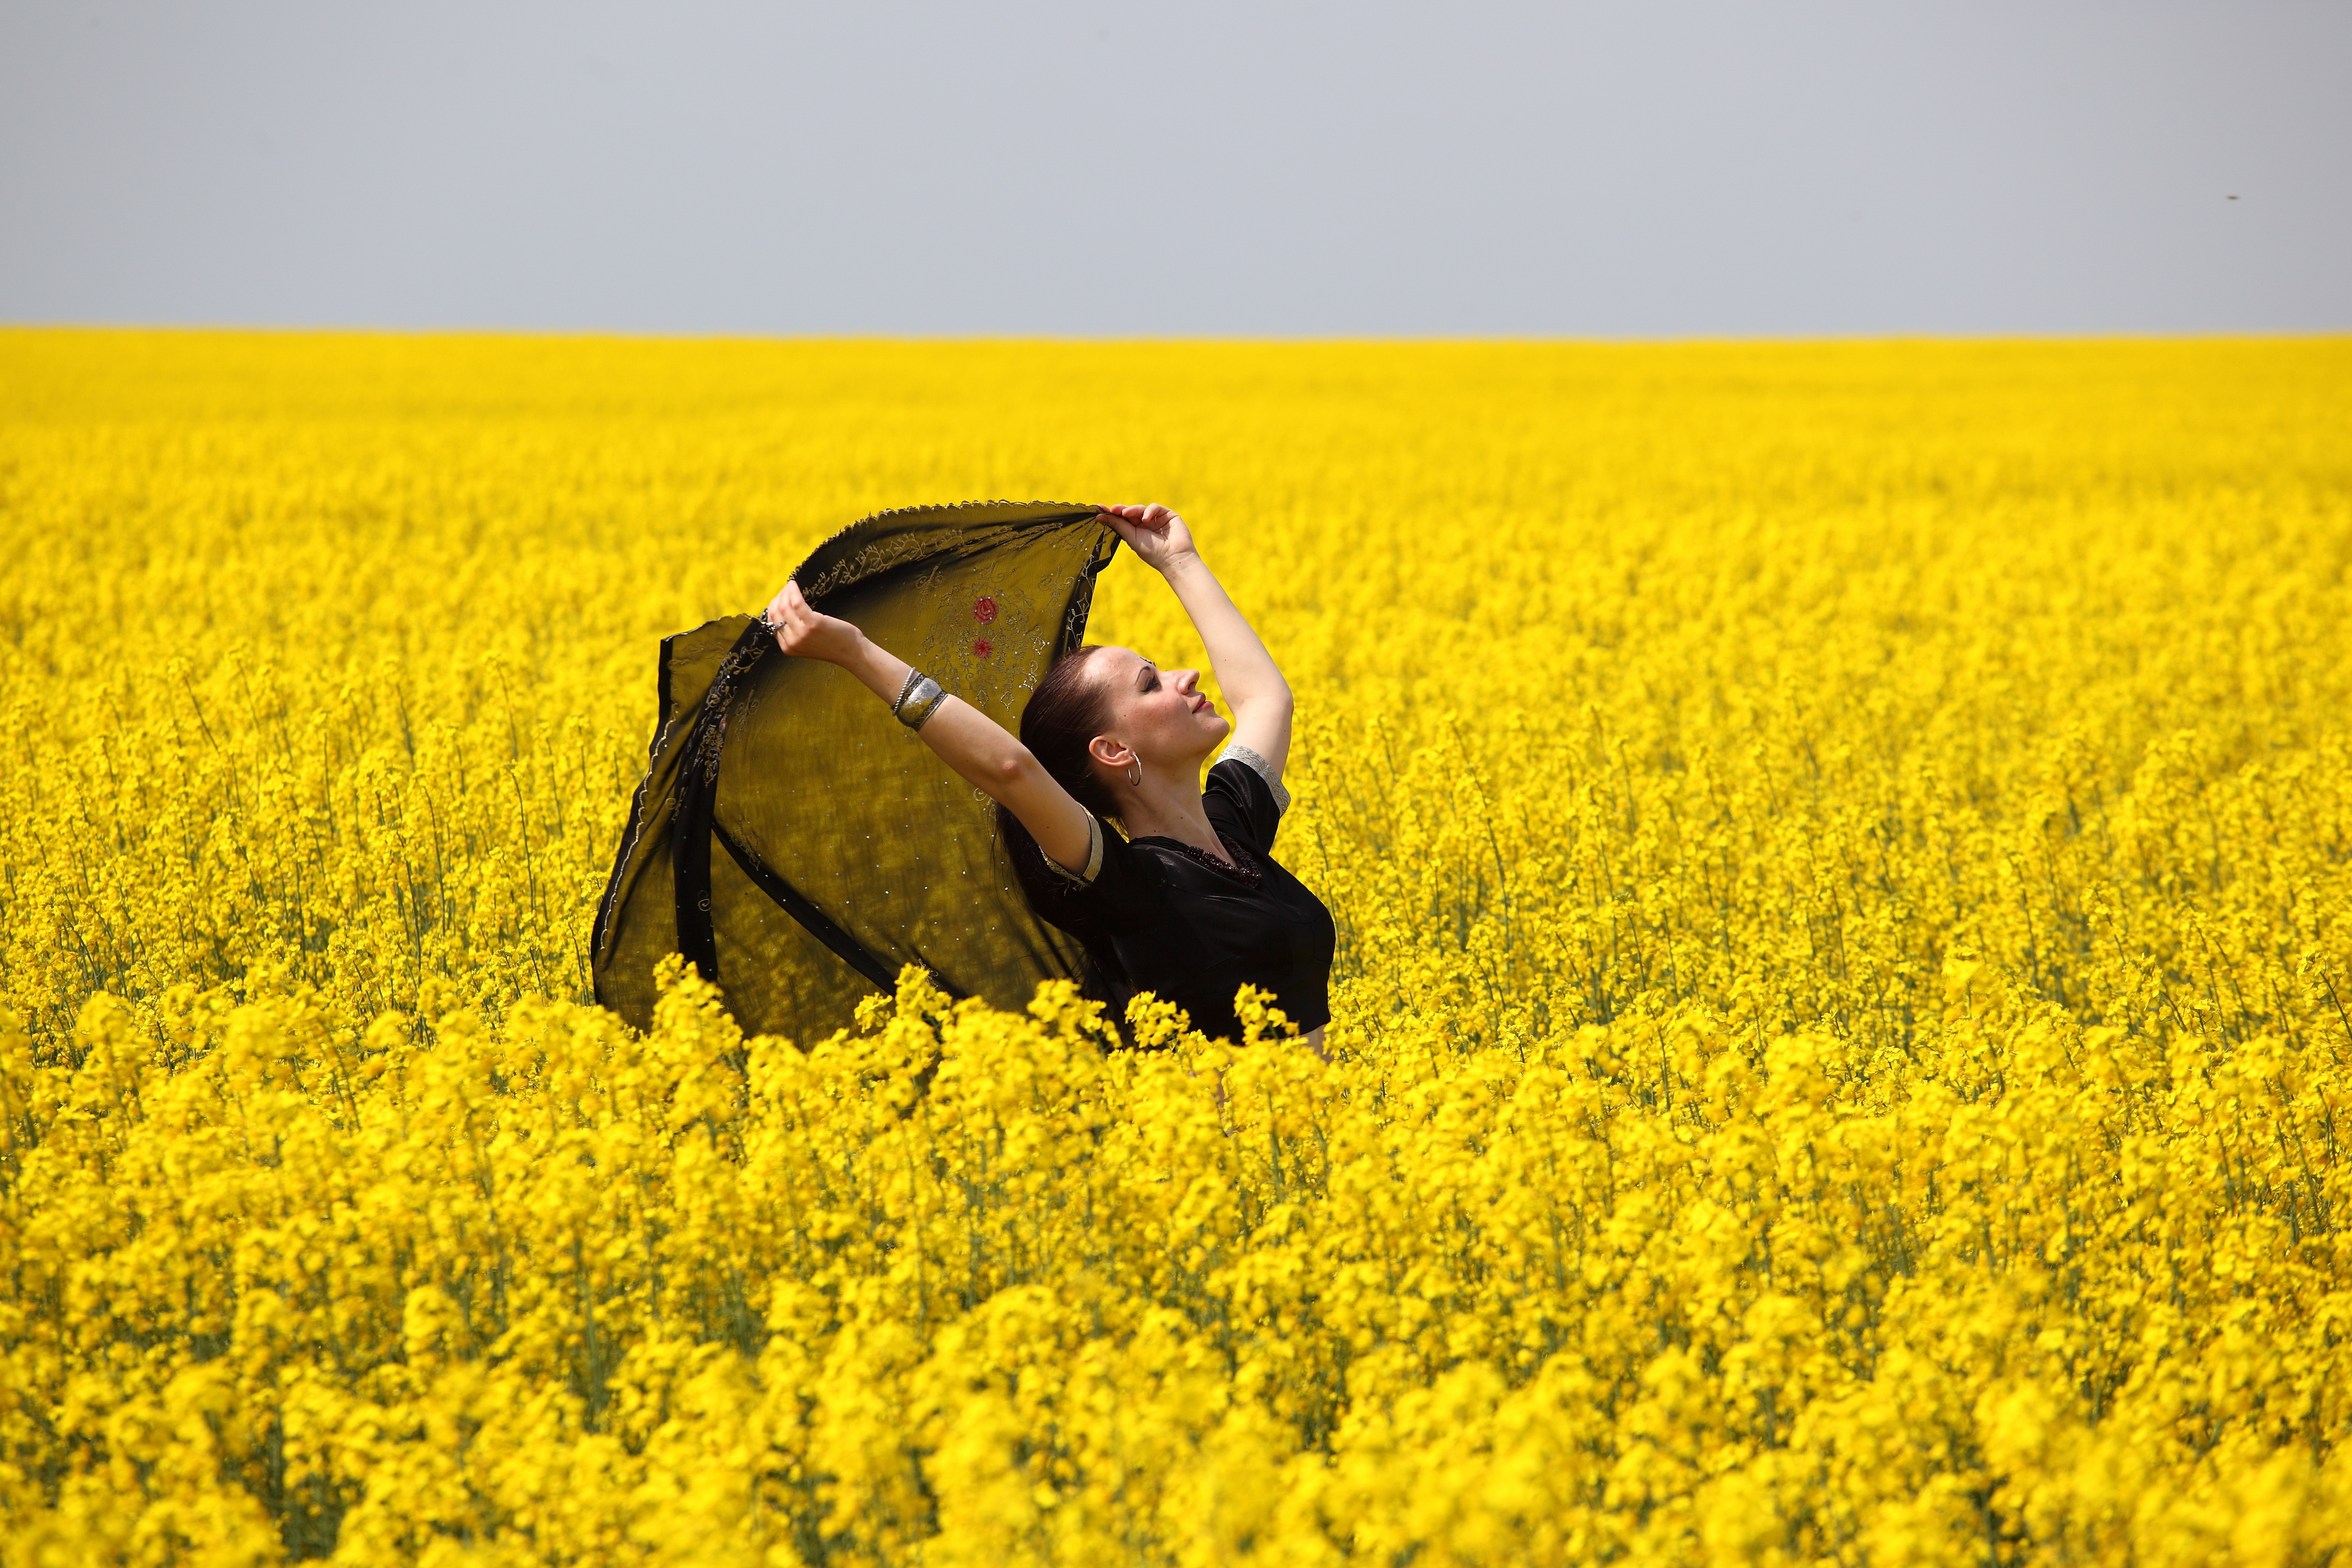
column 1160, row 713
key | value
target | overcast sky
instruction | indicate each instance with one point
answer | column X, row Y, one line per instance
column 1185, row 167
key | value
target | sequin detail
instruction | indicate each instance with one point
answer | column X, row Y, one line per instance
column 1094, row 856
column 1258, row 765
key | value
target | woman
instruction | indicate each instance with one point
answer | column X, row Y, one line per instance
column 1189, row 904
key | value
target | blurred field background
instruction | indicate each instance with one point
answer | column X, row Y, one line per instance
column 1843, row 859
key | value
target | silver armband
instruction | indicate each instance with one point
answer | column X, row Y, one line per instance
column 918, row 700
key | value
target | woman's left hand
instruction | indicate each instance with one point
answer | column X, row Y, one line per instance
column 1157, row 536
column 804, row 633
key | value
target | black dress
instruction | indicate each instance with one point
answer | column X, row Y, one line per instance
column 1193, row 930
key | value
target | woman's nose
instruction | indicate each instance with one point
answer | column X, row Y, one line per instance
column 1186, row 680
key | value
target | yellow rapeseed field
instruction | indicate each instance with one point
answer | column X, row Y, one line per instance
column 1844, row 862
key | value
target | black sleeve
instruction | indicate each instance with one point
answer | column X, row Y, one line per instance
column 1125, row 894
column 1241, row 806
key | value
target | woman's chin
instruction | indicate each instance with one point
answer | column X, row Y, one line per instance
column 1211, row 729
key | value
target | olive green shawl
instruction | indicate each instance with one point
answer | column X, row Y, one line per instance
column 798, row 846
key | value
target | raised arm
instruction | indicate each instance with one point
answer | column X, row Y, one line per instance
column 965, row 738
column 1246, row 673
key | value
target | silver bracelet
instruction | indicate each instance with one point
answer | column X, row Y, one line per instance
column 918, row 700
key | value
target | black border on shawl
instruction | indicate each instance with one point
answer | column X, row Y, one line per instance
column 630, row 830
column 698, row 802
column 845, row 947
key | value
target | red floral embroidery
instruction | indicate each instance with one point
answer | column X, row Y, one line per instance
column 984, row 610
column 982, row 648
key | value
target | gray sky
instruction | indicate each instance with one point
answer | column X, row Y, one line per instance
column 1191, row 167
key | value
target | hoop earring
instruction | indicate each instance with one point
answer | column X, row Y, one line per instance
column 1135, row 774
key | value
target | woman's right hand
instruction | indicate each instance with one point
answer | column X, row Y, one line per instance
column 805, row 634
column 1157, row 536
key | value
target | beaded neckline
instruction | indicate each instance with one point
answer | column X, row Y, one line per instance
column 1248, row 874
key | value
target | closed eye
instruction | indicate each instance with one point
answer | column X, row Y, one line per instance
column 1151, row 682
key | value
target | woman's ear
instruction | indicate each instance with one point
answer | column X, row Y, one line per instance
column 1110, row 751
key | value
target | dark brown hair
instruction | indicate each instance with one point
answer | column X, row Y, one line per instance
column 1065, row 714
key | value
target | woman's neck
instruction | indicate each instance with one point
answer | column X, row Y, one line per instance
column 1166, row 807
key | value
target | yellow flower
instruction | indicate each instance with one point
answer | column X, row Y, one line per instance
column 1840, row 1033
